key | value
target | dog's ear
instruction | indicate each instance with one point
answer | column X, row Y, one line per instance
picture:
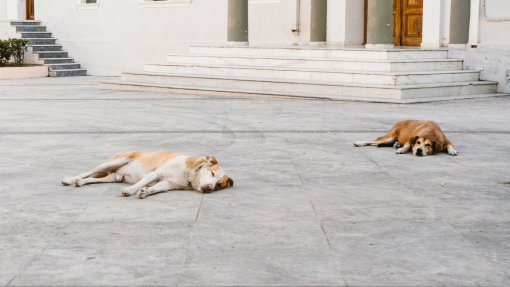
column 224, row 182
column 211, row 160
column 413, row 140
column 436, row 147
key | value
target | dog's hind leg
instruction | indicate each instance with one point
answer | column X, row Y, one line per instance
column 99, row 170
column 147, row 179
column 381, row 141
column 157, row 188
column 111, row 178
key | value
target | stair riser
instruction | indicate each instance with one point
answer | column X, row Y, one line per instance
column 36, row 35
column 321, row 91
column 332, row 65
column 30, row 28
column 449, row 91
column 336, row 77
column 323, row 53
column 68, row 73
column 63, row 67
column 46, row 48
column 41, row 41
column 23, row 23
column 44, row 55
column 57, row 61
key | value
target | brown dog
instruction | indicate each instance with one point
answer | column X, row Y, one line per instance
column 423, row 137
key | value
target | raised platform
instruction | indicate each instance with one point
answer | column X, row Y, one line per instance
column 401, row 75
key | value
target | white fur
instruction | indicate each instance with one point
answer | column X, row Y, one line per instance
column 172, row 175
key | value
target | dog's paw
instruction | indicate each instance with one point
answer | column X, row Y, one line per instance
column 453, row 152
column 68, row 181
column 397, row 145
column 78, row 183
column 126, row 192
column 400, row 151
column 359, row 144
column 142, row 193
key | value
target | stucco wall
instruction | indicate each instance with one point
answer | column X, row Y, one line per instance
column 122, row 35
column 494, row 29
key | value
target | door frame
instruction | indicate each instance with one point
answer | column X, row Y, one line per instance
column 30, row 8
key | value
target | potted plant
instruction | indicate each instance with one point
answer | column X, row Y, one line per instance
column 12, row 52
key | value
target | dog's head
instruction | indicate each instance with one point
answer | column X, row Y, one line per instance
column 210, row 176
column 424, row 145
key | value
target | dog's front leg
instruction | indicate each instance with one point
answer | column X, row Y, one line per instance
column 161, row 186
column 451, row 150
column 147, row 179
column 404, row 149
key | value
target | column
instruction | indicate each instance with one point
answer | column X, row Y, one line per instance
column 431, row 36
column 237, row 33
column 345, row 22
column 380, row 24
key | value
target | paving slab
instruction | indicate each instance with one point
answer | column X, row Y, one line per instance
column 307, row 208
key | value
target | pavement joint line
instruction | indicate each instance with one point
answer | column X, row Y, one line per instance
column 283, row 131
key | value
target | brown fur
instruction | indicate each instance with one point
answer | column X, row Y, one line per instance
column 149, row 160
column 426, row 136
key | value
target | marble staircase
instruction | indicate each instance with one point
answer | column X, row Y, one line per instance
column 400, row 75
column 45, row 50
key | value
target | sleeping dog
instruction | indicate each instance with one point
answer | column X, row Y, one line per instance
column 422, row 137
column 154, row 172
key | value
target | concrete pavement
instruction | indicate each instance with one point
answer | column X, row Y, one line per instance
column 307, row 208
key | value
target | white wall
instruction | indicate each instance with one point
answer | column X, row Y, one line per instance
column 494, row 29
column 122, row 35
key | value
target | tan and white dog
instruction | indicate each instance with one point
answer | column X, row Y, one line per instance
column 154, row 172
column 423, row 137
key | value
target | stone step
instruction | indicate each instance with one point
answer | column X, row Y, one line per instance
column 322, row 52
column 30, row 35
column 41, row 41
column 50, row 61
column 316, row 63
column 64, row 66
column 40, row 48
column 30, row 28
column 28, row 23
column 352, row 77
column 185, row 83
column 52, row 54
column 68, row 73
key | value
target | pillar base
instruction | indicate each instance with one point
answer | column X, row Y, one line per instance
column 315, row 44
column 379, row 46
column 238, row 43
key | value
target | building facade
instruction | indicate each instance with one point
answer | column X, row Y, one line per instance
column 111, row 36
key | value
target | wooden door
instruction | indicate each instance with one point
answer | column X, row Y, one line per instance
column 407, row 22
column 30, row 10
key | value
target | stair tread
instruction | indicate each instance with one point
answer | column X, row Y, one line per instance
column 318, row 70
column 316, row 58
column 326, row 48
column 62, row 64
column 273, row 80
column 69, row 70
